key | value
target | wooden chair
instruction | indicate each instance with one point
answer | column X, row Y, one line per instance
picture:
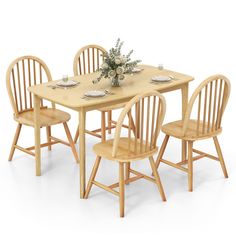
column 88, row 60
column 202, row 121
column 22, row 73
column 148, row 110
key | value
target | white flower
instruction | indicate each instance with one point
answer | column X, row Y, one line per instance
column 124, row 59
column 112, row 73
column 119, row 70
column 121, row 77
column 104, row 65
column 118, row 60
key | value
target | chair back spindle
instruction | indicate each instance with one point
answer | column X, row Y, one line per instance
column 148, row 110
column 207, row 106
column 88, row 59
column 24, row 72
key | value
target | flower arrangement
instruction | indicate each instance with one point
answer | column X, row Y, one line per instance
column 116, row 65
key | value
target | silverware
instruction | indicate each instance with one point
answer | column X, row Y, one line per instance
column 108, row 92
column 62, row 87
column 172, row 77
column 52, row 86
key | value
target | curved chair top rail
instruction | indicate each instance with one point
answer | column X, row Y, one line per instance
column 148, row 110
column 23, row 72
column 88, row 59
column 208, row 101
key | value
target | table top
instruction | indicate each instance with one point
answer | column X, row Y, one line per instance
column 132, row 85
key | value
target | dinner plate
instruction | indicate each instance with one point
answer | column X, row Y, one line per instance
column 69, row 83
column 136, row 70
column 161, row 78
column 94, row 93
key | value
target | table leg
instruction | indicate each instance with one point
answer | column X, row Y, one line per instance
column 184, row 91
column 37, row 135
column 82, row 154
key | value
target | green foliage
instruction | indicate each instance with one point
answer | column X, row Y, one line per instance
column 115, row 64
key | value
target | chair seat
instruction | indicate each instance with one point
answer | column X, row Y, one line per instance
column 47, row 117
column 175, row 129
column 104, row 149
column 113, row 107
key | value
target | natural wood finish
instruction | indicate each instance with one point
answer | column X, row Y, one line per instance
column 43, row 145
column 92, row 177
column 90, row 64
column 127, row 170
column 204, row 154
column 122, row 189
column 69, row 137
column 209, row 101
column 162, row 150
column 138, row 83
column 157, row 178
column 23, row 72
column 184, row 92
column 47, row 117
column 90, row 58
column 109, row 119
column 26, row 150
column 174, row 165
column 100, row 185
column 220, row 155
column 48, row 130
column 127, row 149
column 103, row 124
column 16, row 137
column 37, row 135
column 190, row 166
column 82, row 124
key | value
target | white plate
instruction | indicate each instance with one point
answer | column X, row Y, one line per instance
column 161, row 78
column 94, row 93
column 68, row 83
column 136, row 70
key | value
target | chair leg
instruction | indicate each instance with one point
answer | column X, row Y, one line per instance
column 16, row 137
column 72, row 145
column 109, row 120
column 103, row 125
column 190, row 166
column 162, row 150
column 157, row 178
column 127, row 172
column 76, row 135
column 220, row 155
column 92, row 177
column 122, row 189
column 48, row 130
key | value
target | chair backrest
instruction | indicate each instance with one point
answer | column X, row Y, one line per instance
column 24, row 72
column 146, row 113
column 88, row 59
column 207, row 105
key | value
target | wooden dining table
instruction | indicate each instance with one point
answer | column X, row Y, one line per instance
column 74, row 99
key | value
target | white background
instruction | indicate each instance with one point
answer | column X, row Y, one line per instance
column 192, row 37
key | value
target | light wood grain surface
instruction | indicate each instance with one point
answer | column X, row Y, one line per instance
column 131, row 86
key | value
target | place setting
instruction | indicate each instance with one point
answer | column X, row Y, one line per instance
column 65, row 83
column 96, row 94
column 161, row 79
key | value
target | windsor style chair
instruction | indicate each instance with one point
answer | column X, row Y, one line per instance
column 88, row 60
column 148, row 110
column 202, row 121
column 23, row 72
